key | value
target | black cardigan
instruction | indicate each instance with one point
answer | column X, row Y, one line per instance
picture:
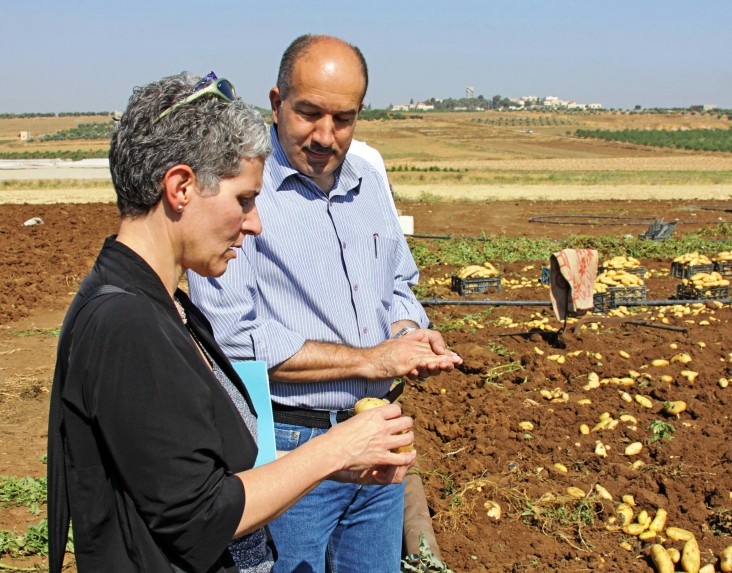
column 151, row 439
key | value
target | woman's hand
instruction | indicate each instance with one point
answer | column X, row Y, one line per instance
column 365, row 443
column 382, row 475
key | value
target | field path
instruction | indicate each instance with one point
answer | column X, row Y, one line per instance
column 455, row 192
column 565, row 192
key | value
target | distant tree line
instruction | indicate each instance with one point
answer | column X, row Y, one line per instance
column 472, row 103
column 82, row 131
column 537, row 121
column 59, row 114
column 368, row 114
column 71, row 155
column 692, row 139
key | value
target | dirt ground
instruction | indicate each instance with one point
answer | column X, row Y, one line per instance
column 472, row 449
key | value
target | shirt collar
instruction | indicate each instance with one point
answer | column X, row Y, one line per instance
column 347, row 177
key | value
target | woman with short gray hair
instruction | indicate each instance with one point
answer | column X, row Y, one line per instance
column 152, row 434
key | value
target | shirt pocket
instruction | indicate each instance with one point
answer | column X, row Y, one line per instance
column 384, row 267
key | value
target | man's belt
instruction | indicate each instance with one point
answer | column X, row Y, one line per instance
column 308, row 418
column 320, row 418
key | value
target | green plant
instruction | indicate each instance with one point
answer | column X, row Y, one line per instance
column 562, row 516
column 499, row 349
column 37, row 332
column 424, row 561
column 33, row 542
column 27, row 491
column 494, row 374
column 661, row 430
column 720, row 522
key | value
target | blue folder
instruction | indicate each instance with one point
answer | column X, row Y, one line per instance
column 254, row 375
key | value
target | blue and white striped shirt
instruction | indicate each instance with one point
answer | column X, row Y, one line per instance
column 331, row 268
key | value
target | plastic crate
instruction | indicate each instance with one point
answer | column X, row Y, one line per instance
column 724, row 268
column 682, row 271
column 690, row 292
column 476, row 285
column 637, row 271
column 600, row 302
column 618, row 296
column 627, row 296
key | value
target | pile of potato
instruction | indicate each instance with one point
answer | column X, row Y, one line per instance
column 654, row 528
column 693, row 259
column 723, row 256
column 621, row 262
column 478, row 271
column 704, row 281
column 616, row 278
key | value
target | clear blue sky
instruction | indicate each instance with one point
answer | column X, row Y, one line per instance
column 82, row 55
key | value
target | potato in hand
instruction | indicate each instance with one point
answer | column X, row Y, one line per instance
column 366, row 404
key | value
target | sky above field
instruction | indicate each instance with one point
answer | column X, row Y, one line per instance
column 81, row 55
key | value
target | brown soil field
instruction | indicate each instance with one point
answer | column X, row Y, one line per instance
column 439, row 138
column 472, row 449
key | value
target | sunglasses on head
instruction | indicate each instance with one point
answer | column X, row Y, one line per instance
column 209, row 84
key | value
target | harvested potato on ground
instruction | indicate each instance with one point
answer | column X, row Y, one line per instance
column 661, row 560
column 678, row 534
column 725, row 560
column 690, row 556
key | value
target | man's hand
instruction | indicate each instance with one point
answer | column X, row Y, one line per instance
column 410, row 355
column 437, row 344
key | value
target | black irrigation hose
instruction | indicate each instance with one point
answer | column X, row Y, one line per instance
column 484, row 302
column 489, row 302
column 451, row 237
column 547, row 219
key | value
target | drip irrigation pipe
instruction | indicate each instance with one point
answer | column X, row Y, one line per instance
column 547, row 219
column 490, row 302
column 452, row 237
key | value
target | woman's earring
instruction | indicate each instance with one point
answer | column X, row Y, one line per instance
column 180, row 208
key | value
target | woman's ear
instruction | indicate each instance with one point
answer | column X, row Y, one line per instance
column 177, row 187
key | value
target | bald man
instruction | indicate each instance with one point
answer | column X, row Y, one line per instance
column 331, row 311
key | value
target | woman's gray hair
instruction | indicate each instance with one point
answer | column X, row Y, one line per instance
column 209, row 134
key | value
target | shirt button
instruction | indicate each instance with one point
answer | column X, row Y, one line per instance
column 343, row 245
column 365, row 329
column 355, row 287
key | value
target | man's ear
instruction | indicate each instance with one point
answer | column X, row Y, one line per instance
column 178, row 184
column 275, row 101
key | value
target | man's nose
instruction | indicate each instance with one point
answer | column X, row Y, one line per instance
column 324, row 131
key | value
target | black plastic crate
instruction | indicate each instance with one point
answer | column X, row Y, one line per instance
column 724, row 268
column 690, row 292
column 600, row 302
column 683, row 271
column 618, row 296
column 476, row 285
column 627, row 296
column 637, row 271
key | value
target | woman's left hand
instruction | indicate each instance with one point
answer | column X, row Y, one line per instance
column 379, row 475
